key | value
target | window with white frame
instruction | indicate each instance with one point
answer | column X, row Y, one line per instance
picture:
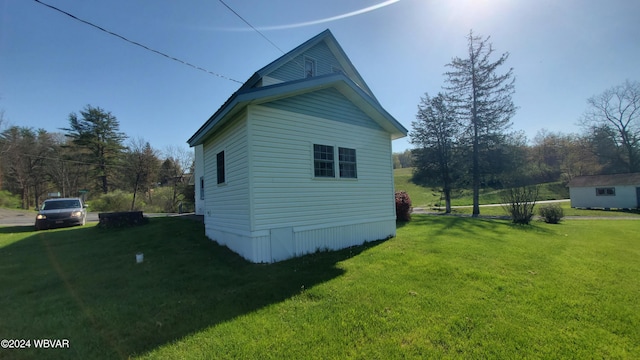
column 606, row 191
column 325, row 166
column 347, row 163
column 323, row 163
column 309, row 67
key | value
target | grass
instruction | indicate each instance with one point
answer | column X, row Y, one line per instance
column 566, row 207
column 445, row 287
column 428, row 196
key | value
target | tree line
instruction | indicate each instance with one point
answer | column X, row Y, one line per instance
column 463, row 138
column 90, row 157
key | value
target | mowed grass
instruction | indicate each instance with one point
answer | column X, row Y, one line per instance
column 565, row 205
column 445, row 287
column 432, row 196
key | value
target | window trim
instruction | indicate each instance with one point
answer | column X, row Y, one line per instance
column 314, row 70
column 606, row 191
column 336, row 163
column 325, row 161
column 221, row 176
column 345, row 162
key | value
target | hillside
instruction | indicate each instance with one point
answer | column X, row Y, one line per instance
column 427, row 196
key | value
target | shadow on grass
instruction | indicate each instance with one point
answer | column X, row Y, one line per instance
column 16, row 229
column 83, row 284
column 465, row 225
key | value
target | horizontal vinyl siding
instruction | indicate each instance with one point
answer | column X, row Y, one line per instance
column 294, row 69
column 285, row 193
column 227, row 205
column 316, row 104
column 585, row 197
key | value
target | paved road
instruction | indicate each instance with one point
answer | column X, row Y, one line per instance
column 423, row 210
column 10, row 217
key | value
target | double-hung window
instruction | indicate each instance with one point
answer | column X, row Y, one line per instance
column 325, row 166
column 323, row 163
column 347, row 163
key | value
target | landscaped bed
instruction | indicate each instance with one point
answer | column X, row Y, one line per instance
column 445, row 287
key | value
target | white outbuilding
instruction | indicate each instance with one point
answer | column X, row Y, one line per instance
column 298, row 159
column 620, row 191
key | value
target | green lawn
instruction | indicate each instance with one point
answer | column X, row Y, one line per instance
column 445, row 287
column 430, row 196
column 566, row 207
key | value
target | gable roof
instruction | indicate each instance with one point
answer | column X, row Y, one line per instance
column 240, row 99
column 349, row 83
column 606, row 180
column 333, row 45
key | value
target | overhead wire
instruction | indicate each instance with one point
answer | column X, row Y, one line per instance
column 258, row 31
column 137, row 43
column 251, row 26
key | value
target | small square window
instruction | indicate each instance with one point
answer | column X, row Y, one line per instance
column 220, row 167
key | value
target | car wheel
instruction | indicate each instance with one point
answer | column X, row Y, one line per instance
column 84, row 220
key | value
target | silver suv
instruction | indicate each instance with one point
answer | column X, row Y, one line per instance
column 61, row 212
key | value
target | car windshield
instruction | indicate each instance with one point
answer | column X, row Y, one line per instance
column 61, row 204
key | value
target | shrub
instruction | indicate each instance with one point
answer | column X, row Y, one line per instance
column 114, row 201
column 10, row 201
column 403, row 206
column 519, row 203
column 552, row 213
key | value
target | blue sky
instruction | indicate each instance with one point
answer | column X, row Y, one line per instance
column 562, row 53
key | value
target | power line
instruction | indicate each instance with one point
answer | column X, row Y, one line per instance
column 260, row 32
column 251, row 26
column 137, row 43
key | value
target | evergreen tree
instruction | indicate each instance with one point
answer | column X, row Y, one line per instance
column 481, row 101
column 98, row 132
column 436, row 135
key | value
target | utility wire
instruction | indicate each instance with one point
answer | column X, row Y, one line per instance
column 137, row 43
column 251, row 26
column 259, row 32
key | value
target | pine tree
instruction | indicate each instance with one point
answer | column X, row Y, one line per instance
column 481, row 101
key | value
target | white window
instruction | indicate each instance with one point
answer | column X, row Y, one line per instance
column 309, row 67
column 323, row 163
column 347, row 163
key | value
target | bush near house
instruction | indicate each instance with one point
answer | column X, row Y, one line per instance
column 403, row 206
column 552, row 213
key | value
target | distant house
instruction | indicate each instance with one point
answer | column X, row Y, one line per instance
column 621, row 191
column 298, row 159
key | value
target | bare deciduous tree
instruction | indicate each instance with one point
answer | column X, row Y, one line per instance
column 616, row 113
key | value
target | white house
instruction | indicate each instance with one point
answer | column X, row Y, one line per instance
column 621, row 191
column 298, row 159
